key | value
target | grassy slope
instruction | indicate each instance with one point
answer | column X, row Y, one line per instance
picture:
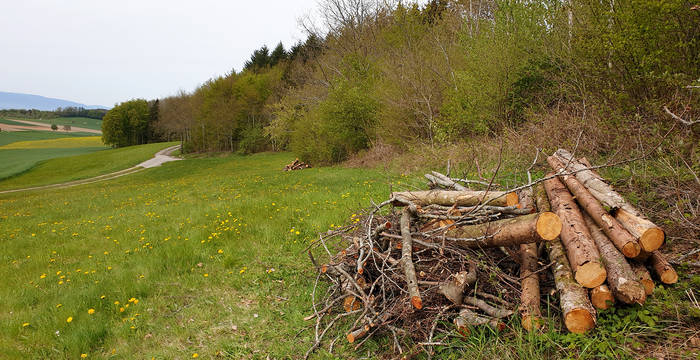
column 79, row 167
column 194, row 241
column 212, row 249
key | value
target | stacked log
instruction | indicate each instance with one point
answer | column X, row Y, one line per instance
column 296, row 165
column 613, row 221
column 458, row 253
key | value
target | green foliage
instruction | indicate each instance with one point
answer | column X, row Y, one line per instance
column 504, row 70
column 342, row 123
column 126, row 124
column 54, row 127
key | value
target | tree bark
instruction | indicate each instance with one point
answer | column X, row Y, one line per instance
column 662, row 268
column 623, row 281
column 454, row 288
column 445, row 181
column 579, row 315
column 459, row 198
column 582, row 252
column 469, row 318
column 650, row 236
column 407, row 262
column 622, row 239
column 531, row 228
column 530, row 314
column 644, row 277
column 601, row 297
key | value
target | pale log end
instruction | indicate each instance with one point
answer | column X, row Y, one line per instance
column 548, row 225
column 631, row 249
column 512, row 199
column 590, row 274
column 579, row 321
column 652, row 239
column 601, row 297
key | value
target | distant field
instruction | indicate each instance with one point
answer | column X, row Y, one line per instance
column 95, row 124
column 60, row 143
column 9, row 137
column 11, row 122
column 88, row 162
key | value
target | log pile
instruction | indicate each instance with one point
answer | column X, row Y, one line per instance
column 472, row 258
column 296, row 165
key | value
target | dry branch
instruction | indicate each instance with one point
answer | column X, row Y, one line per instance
column 457, row 198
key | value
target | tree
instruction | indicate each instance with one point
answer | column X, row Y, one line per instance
column 126, row 124
column 54, row 127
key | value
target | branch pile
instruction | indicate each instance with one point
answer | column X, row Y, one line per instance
column 471, row 258
column 296, row 165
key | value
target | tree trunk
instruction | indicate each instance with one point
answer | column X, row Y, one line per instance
column 459, row 198
column 579, row 315
column 644, row 277
column 650, row 236
column 531, row 228
column 469, row 318
column 582, row 252
column 622, row 279
column 622, row 239
column 530, row 314
column 662, row 268
column 407, row 262
column 601, row 297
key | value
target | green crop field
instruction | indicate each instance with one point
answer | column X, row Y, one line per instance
column 83, row 166
column 19, row 156
column 206, row 258
column 87, row 123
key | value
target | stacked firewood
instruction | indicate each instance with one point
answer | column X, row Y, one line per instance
column 296, row 165
column 471, row 256
column 608, row 243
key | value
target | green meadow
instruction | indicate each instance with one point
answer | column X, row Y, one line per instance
column 9, row 137
column 206, row 257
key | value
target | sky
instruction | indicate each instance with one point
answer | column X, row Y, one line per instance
column 103, row 52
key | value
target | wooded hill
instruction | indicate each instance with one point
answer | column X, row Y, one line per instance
column 398, row 74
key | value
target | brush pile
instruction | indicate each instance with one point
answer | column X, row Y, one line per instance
column 474, row 257
column 296, row 165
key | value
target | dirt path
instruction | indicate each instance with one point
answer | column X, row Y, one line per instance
column 158, row 159
column 46, row 127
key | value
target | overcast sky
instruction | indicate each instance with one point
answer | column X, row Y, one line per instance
column 102, row 52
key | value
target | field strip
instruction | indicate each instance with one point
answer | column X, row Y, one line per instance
column 158, row 159
column 47, row 127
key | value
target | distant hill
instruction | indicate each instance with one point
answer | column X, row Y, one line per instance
column 10, row 100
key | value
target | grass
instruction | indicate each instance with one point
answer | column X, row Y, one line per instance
column 9, row 137
column 206, row 256
column 63, row 169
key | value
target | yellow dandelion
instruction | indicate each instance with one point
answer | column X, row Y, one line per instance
column 83, row 356
column 42, row 276
column 102, row 296
column 116, row 302
column 206, row 275
column 91, row 311
column 70, row 318
column 59, row 305
column 195, row 355
column 220, row 251
column 121, row 309
column 25, row 324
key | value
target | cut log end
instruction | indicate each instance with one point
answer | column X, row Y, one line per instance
column 531, row 322
column 590, row 274
column 669, row 276
column 548, row 226
column 631, row 249
column 601, row 297
column 512, row 199
column 417, row 302
column 579, row 321
column 652, row 239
